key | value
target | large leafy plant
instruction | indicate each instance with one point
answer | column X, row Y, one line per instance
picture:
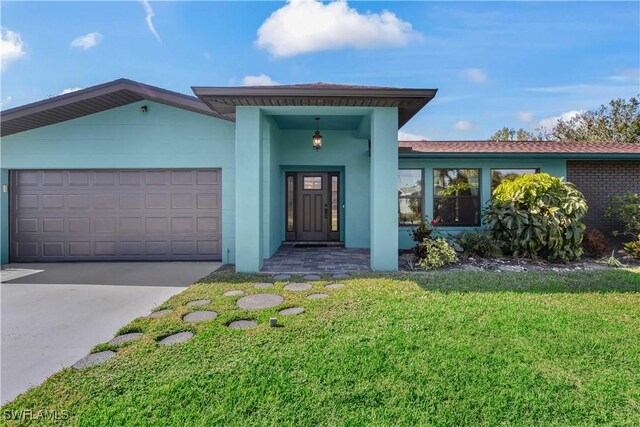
column 626, row 208
column 537, row 215
column 437, row 252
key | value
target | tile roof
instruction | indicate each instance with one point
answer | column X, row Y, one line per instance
column 518, row 147
column 324, row 85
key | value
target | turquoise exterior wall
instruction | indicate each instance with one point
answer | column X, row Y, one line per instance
column 556, row 167
column 125, row 137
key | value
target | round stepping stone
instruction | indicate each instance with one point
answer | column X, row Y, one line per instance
column 317, row 296
column 243, row 324
column 93, row 359
column 160, row 313
column 282, row 277
column 298, row 287
column 340, row 276
column 200, row 316
column 263, row 285
column 198, row 302
column 233, row 293
column 335, row 286
column 291, row 311
column 176, row 338
column 260, row 301
column 121, row 339
column 312, row 277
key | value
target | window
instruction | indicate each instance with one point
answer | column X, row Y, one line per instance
column 334, row 203
column 410, row 196
column 290, row 201
column 312, row 183
column 456, row 197
column 498, row 175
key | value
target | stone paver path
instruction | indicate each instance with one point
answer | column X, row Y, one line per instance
column 289, row 259
column 291, row 311
column 160, row 313
column 200, row 316
column 297, row 287
column 180, row 337
column 243, row 324
column 121, row 339
column 282, row 277
column 263, row 285
column 335, row 286
column 260, row 301
column 198, row 302
column 233, row 293
column 94, row 359
column 317, row 296
column 312, row 277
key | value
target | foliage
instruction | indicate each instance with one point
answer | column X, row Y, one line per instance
column 594, row 243
column 619, row 121
column 632, row 248
column 456, row 188
column 424, row 231
column 611, row 261
column 479, row 244
column 438, row 254
column 537, row 215
column 626, row 208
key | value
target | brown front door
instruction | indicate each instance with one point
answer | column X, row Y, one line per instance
column 312, row 206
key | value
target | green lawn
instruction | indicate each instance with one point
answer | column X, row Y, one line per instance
column 426, row 349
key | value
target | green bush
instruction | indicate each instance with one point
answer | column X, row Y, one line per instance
column 537, row 215
column 438, row 253
column 424, row 231
column 632, row 248
column 479, row 244
column 626, row 208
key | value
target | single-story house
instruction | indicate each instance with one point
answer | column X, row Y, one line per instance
column 127, row 171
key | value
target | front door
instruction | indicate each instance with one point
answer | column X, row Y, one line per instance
column 312, row 206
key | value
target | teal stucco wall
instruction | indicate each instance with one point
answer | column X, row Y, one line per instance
column 125, row 137
column 556, row 167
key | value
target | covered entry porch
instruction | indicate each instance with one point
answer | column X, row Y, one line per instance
column 347, row 189
column 293, row 258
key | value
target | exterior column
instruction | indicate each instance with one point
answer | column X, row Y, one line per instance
column 249, row 225
column 384, row 189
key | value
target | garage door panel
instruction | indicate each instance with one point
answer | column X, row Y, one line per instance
column 115, row 215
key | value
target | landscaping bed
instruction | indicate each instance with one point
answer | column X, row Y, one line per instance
column 445, row 348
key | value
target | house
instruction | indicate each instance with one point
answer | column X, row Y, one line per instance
column 127, row 171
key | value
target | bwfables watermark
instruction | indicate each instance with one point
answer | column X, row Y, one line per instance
column 35, row 415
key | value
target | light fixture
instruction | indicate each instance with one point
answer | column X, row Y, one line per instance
column 144, row 108
column 316, row 141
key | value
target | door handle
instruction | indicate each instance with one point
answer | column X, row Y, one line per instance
column 326, row 211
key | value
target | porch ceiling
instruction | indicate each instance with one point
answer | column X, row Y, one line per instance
column 224, row 100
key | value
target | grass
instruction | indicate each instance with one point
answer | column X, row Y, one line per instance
column 404, row 349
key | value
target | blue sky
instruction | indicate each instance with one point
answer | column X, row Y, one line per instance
column 495, row 64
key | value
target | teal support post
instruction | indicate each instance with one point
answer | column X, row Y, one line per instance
column 384, row 189
column 249, row 188
column 4, row 217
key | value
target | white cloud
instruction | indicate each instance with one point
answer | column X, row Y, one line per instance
column 406, row 136
column 12, row 48
column 464, row 125
column 525, row 116
column 550, row 122
column 150, row 14
column 626, row 75
column 69, row 90
column 476, row 75
column 259, row 80
column 5, row 102
column 87, row 41
column 303, row 26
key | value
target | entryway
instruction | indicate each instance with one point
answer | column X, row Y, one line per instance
column 318, row 259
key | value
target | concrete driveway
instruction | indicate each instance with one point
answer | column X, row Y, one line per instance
column 53, row 314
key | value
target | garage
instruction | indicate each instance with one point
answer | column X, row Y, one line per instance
column 119, row 215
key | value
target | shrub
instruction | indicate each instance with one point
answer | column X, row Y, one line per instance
column 537, row 215
column 626, row 208
column 594, row 243
column 438, row 254
column 632, row 248
column 479, row 244
column 424, row 231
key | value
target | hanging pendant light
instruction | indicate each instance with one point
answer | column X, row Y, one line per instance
column 316, row 141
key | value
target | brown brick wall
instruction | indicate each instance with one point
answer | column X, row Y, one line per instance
column 598, row 180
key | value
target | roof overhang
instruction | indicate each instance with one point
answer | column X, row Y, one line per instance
column 224, row 100
column 93, row 100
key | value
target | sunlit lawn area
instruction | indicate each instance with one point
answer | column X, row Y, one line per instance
column 414, row 349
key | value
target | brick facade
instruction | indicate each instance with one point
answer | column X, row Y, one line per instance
column 598, row 180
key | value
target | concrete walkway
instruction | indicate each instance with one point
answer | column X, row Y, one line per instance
column 53, row 314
